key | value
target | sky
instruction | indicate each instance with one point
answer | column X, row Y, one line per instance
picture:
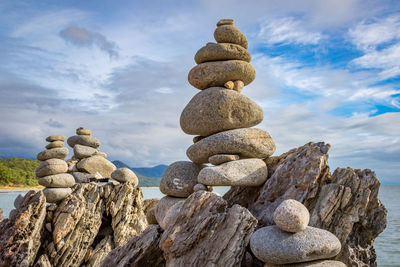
column 326, row 71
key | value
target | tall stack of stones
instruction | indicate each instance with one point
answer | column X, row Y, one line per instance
column 52, row 172
column 220, row 117
column 292, row 241
column 88, row 163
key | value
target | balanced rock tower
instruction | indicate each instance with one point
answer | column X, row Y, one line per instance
column 220, row 117
column 52, row 172
column 88, row 163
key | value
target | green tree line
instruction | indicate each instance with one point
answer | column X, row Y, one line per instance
column 17, row 171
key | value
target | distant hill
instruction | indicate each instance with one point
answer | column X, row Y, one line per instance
column 18, row 172
column 153, row 172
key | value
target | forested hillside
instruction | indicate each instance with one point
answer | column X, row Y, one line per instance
column 18, row 172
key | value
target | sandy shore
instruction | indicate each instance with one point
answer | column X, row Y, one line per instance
column 19, row 189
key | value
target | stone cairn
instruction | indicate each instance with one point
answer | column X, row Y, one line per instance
column 220, row 117
column 291, row 241
column 52, row 172
column 88, row 164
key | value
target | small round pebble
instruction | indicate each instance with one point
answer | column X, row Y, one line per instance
column 291, row 216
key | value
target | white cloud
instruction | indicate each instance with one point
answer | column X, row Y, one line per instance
column 287, row 30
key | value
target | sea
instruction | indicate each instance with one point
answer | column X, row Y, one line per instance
column 387, row 245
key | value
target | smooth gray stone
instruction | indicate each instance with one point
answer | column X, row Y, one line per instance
column 246, row 142
column 54, row 195
column 50, row 167
column 58, row 180
column 52, row 138
column 53, row 153
column 83, row 177
column 18, row 201
column 97, row 164
column 274, row 246
column 244, row 172
column 179, row 179
column 85, row 140
column 124, row 175
column 81, row 151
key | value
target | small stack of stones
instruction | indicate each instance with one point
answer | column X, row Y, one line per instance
column 220, row 116
column 291, row 242
column 51, row 172
column 88, row 163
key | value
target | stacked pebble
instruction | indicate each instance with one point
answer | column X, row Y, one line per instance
column 220, row 116
column 88, row 163
column 51, row 172
column 292, row 242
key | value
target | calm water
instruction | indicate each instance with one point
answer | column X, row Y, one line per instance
column 387, row 245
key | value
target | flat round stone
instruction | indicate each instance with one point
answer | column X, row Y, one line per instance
column 230, row 34
column 274, row 246
column 54, row 195
column 225, row 22
column 218, row 109
column 244, row 172
column 179, row 179
column 52, row 138
column 221, row 51
column 217, row 73
column 85, row 140
column 55, row 144
column 53, row 153
column 83, row 131
column 50, row 167
column 57, row 180
column 246, row 142
column 291, row 216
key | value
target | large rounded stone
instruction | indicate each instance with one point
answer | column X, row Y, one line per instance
column 247, row 143
column 164, row 205
column 50, row 167
column 54, row 195
column 217, row 52
column 124, row 175
column 291, row 216
column 217, row 73
column 318, row 263
column 244, row 172
column 55, row 144
column 230, row 34
column 52, row 138
column 179, row 179
column 85, row 140
column 274, row 246
column 96, row 164
column 81, row 152
column 57, row 180
column 54, row 153
column 218, row 109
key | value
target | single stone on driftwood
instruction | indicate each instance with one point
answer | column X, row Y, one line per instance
column 124, row 175
column 50, row 167
column 57, row 180
column 54, row 153
column 291, row 216
column 20, row 235
column 54, row 195
column 52, row 138
column 217, row 73
column 224, row 51
column 246, row 142
column 97, row 164
column 85, row 140
column 206, row 233
column 179, row 179
column 142, row 250
column 244, row 172
column 218, row 109
column 230, row 34
column 222, row 158
column 345, row 203
column 55, row 144
column 272, row 245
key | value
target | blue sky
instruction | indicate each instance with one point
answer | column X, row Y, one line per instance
column 326, row 71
